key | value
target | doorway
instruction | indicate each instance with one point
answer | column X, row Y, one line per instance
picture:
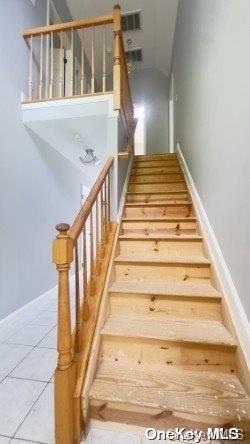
column 171, row 115
column 140, row 131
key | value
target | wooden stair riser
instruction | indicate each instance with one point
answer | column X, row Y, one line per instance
column 147, row 157
column 155, row 163
column 162, row 272
column 162, row 354
column 170, row 306
column 156, row 187
column 171, row 210
column 155, row 170
column 156, row 197
column 157, row 178
column 155, row 248
column 159, row 227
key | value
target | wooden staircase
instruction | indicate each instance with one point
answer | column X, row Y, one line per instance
column 166, row 359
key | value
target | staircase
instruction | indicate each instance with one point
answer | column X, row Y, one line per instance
column 165, row 358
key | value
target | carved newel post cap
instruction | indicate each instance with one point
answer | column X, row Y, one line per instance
column 117, row 6
column 62, row 228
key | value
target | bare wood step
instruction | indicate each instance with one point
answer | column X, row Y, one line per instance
column 160, row 197
column 173, row 392
column 155, row 163
column 162, row 269
column 159, row 225
column 168, row 289
column 155, row 170
column 159, row 156
column 153, row 187
column 170, row 300
column 169, row 329
column 158, row 209
column 154, row 247
column 156, row 178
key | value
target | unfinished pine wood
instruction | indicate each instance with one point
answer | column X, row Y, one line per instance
column 160, row 197
column 169, row 329
column 158, row 209
column 147, row 157
column 175, row 390
column 157, row 247
column 165, row 357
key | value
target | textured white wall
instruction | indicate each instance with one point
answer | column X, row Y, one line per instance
column 211, row 67
column 151, row 88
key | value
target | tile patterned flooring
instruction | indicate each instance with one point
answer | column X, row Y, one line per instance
column 27, row 362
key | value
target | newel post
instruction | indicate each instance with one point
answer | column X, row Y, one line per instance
column 117, row 29
column 65, row 371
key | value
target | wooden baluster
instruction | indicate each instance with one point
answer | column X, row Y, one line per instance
column 61, row 92
column 92, row 264
column 72, row 64
column 104, row 61
column 98, row 246
column 117, row 58
column 108, row 201
column 85, row 311
column 82, row 63
column 51, row 65
column 103, row 234
column 105, row 209
column 65, row 371
column 40, row 93
column 93, row 62
column 31, row 69
column 78, row 304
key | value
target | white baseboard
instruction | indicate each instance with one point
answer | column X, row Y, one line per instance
column 124, row 190
column 231, row 296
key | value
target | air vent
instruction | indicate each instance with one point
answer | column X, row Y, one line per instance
column 131, row 21
column 135, row 55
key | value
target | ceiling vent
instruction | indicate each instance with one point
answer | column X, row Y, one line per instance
column 131, row 21
column 134, row 55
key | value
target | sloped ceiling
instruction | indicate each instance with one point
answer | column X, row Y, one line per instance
column 158, row 24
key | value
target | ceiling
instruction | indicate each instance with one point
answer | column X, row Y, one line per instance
column 158, row 19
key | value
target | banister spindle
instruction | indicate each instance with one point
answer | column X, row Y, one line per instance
column 93, row 61
column 82, row 63
column 117, row 58
column 103, row 240
column 85, row 310
column 91, row 247
column 62, row 257
column 72, row 64
column 31, row 69
column 61, row 87
column 104, row 60
column 78, row 303
column 108, row 201
column 105, row 209
column 97, row 221
column 40, row 93
column 51, row 65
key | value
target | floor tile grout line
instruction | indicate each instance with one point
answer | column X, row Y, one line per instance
column 28, row 345
column 39, row 396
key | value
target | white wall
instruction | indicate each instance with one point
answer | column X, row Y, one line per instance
column 211, row 69
column 39, row 187
column 150, row 88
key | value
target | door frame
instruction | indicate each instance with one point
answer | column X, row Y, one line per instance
column 171, row 114
column 140, row 105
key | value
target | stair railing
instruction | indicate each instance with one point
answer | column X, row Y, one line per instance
column 85, row 46
column 86, row 244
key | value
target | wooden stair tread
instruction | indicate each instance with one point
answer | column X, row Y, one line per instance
column 175, row 390
column 157, row 183
column 166, row 289
column 159, row 219
column 160, row 204
column 158, row 192
column 162, row 259
column 161, row 237
column 169, row 329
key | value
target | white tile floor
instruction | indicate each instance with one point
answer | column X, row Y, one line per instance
column 27, row 362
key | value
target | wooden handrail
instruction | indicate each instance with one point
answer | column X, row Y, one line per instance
column 76, row 24
column 124, row 154
column 83, row 214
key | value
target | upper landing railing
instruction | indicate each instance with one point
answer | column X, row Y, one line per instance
column 79, row 58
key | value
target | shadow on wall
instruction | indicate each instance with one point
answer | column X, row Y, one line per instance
column 150, row 87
